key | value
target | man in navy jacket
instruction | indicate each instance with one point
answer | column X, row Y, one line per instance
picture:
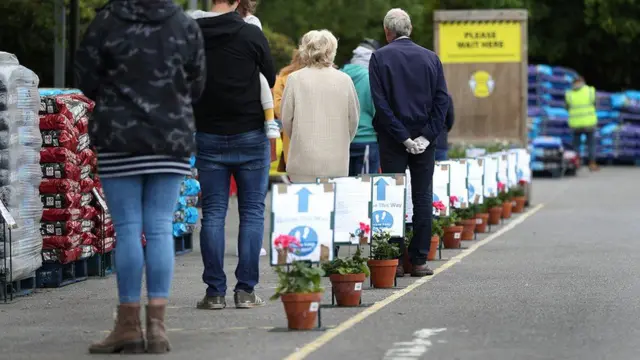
column 442, row 142
column 410, row 96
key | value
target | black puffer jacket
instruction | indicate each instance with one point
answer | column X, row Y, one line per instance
column 143, row 63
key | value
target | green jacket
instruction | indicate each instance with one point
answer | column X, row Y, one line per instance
column 360, row 77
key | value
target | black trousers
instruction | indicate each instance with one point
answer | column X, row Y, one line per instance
column 395, row 159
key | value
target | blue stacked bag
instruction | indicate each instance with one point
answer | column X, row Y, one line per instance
column 185, row 217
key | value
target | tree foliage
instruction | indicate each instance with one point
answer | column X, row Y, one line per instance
column 595, row 37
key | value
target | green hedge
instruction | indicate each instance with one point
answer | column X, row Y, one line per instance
column 281, row 47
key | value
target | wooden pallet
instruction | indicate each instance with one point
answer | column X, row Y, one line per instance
column 101, row 265
column 55, row 275
column 18, row 288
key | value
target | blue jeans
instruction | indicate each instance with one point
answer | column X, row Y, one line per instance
column 442, row 155
column 357, row 164
column 247, row 157
column 138, row 204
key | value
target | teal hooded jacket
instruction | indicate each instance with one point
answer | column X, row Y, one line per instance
column 360, row 77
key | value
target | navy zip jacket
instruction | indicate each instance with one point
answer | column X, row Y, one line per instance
column 409, row 91
column 443, row 139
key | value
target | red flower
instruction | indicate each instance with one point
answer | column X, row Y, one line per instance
column 500, row 186
column 453, row 200
column 438, row 205
column 286, row 242
column 364, row 228
column 522, row 182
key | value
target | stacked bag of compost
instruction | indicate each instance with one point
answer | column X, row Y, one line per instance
column 20, row 174
column 186, row 214
column 67, row 164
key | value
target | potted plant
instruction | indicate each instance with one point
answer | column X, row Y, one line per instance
column 507, row 202
column 452, row 232
column 436, row 234
column 384, row 260
column 481, row 215
column 493, row 206
column 347, row 276
column 519, row 197
column 300, row 289
column 468, row 222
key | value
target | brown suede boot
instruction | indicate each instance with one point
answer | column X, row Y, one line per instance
column 126, row 336
column 157, row 340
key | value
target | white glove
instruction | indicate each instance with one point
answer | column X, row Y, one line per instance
column 422, row 142
column 412, row 146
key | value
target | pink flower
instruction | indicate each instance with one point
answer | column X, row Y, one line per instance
column 286, row 242
column 364, row 228
column 500, row 186
column 453, row 200
column 522, row 182
column 438, row 205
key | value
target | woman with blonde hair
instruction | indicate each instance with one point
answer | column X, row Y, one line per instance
column 320, row 112
column 278, row 90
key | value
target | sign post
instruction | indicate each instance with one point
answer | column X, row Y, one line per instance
column 484, row 54
column 305, row 211
column 388, row 204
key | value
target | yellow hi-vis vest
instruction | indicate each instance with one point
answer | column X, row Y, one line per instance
column 582, row 107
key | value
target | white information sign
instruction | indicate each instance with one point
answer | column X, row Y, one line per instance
column 475, row 173
column 512, row 162
column 458, row 183
column 387, row 204
column 353, row 197
column 441, row 187
column 490, row 176
column 523, row 167
column 306, row 212
column 408, row 199
column 502, row 168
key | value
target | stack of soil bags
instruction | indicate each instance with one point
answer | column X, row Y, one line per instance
column 67, row 163
column 20, row 174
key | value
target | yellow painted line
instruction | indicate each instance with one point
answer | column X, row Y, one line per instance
column 309, row 348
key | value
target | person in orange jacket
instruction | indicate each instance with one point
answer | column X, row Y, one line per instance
column 278, row 90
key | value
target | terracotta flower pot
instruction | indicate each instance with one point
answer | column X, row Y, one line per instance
column 433, row 248
column 519, row 201
column 406, row 261
column 383, row 273
column 347, row 288
column 468, row 228
column 495, row 214
column 481, row 222
column 301, row 310
column 506, row 209
column 452, row 235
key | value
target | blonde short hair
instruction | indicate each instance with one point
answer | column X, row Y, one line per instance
column 318, row 48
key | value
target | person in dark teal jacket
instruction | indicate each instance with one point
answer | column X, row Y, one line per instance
column 364, row 153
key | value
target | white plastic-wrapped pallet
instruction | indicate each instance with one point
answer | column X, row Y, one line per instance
column 20, row 172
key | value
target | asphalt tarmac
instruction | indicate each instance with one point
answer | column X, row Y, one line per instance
column 560, row 283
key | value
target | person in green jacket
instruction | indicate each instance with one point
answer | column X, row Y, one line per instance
column 583, row 118
column 364, row 155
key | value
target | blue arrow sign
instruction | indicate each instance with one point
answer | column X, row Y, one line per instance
column 381, row 187
column 303, row 200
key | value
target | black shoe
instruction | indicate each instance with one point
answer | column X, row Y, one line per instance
column 421, row 271
column 245, row 300
column 212, row 303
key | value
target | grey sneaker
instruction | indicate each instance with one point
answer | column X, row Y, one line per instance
column 212, row 303
column 245, row 300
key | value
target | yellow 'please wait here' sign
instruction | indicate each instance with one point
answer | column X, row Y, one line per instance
column 467, row 42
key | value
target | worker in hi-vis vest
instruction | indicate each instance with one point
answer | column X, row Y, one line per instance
column 583, row 119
